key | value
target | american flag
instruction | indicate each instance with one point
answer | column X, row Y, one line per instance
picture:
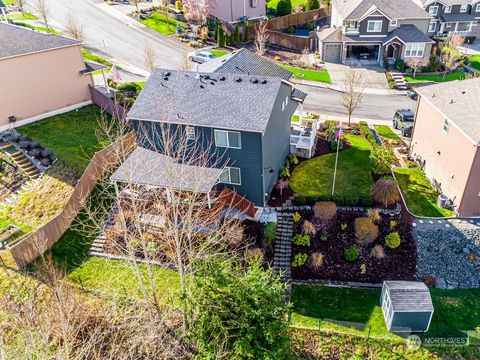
column 339, row 132
column 115, row 74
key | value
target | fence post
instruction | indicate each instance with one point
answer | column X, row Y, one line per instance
column 369, row 330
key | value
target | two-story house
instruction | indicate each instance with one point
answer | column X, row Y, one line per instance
column 367, row 32
column 239, row 10
column 446, row 141
column 458, row 17
column 242, row 119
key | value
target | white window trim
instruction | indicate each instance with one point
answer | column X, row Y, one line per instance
column 415, row 49
column 446, row 125
column 477, row 7
column 190, row 132
column 433, row 10
column 448, row 9
column 434, row 24
column 229, row 168
column 374, row 22
column 464, row 8
column 228, row 141
column 448, row 24
column 393, row 23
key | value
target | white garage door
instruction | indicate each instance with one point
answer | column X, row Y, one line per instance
column 332, row 53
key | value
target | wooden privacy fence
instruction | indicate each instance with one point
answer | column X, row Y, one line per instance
column 113, row 108
column 284, row 22
column 36, row 243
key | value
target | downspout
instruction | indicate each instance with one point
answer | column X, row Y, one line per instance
column 231, row 10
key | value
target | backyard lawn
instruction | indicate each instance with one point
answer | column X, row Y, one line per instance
column 314, row 177
column 272, row 4
column 354, row 310
column 71, row 136
column 157, row 22
column 419, row 194
column 474, row 61
column 457, row 75
column 89, row 56
column 311, row 75
column 386, row 132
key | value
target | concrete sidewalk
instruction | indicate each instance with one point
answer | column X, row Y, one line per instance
column 341, row 88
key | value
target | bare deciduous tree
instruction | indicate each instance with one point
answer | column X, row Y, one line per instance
column 282, row 184
column 416, row 64
column 186, row 64
column 451, row 54
column 74, row 28
column 136, row 2
column 149, row 58
column 353, row 95
column 199, row 10
column 261, row 37
column 21, row 4
column 44, row 11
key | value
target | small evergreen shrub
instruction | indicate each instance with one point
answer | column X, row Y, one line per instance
column 284, row 7
column 299, row 260
column 337, row 144
column 301, row 240
column 297, row 217
column 392, row 240
column 270, row 231
column 351, row 253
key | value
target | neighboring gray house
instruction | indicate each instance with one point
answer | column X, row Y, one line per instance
column 407, row 306
column 244, row 61
column 367, row 32
column 243, row 119
column 458, row 17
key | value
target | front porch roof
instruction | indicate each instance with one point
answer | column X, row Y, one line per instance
column 91, row 67
column 359, row 40
column 463, row 17
column 150, row 168
column 407, row 34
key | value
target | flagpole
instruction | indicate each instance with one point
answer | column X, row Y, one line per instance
column 336, row 159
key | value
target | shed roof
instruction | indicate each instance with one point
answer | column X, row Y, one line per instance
column 228, row 101
column 147, row 167
column 245, row 62
column 397, row 9
column 18, row 40
column 409, row 296
column 459, row 101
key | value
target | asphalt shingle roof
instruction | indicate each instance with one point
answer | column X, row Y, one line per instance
column 449, row 2
column 245, row 62
column 17, row 40
column 394, row 9
column 147, row 167
column 91, row 67
column 2, row 5
column 228, row 101
column 408, row 33
column 409, row 296
column 459, row 101
column 457, row 17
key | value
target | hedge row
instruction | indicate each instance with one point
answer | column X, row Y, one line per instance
column 367, row 132
column 341, row 200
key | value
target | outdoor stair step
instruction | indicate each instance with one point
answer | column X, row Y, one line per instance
column 96, row 253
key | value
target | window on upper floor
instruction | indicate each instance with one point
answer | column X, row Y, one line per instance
column 477, row 7
column 254, row 3
column 432, row 26
column 374, row 26
column 449, row 24
column 228, row 139
column 415, row 50
column 393, row 23
column 447, row 9
column 433, row 10
column 231, row 175
column 446, row 125
column 190, row 132
column 351, row 25
column 464, row 8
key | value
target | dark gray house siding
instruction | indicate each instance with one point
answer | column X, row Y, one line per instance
column 404, row 321
column 248, row 158
column 276, row 141
column 474, row 11
column 364, row 26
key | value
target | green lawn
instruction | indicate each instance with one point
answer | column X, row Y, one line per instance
column 89, row 56
column 219, row 53
column 314, row 177
column 272, row 4
column 311, row 75
column 386, row 132
column 38, row 28
column 157, row 22
column 474, row 61
column 19, row 16
column 457, row 75
column 335, row 308
column 419, row 194
column 71, row 136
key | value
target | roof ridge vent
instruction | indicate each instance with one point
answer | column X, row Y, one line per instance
column 238, row 79
column 264, row 81
column 452, row 101
column 254, row 81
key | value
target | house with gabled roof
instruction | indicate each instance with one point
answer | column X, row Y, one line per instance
column 244, row 120
column 368, row 32
column 446, row 141
column 41, row 75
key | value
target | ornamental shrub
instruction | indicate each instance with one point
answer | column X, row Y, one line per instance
column 365, row 230
column 299, row 260
column 392, row 240
column 301, row 240
column 316, row 260
column 297, row 217
column 325, row 210
column 312, row 5
column 351, row 253
column 336, row 144
column 270, row 231
column 284, row 7
column 381, row 157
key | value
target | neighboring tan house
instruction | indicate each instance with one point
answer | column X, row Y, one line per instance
column 242, row 120
column 446, row 141
column 239, row 10
column 458, row 17
column 41, row 75
column 367, row 32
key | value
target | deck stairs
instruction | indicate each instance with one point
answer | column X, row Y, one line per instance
column 23, row 162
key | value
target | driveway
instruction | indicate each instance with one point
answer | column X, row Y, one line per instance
column 374, row 76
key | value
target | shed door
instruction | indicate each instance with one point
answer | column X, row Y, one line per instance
column 333, row 53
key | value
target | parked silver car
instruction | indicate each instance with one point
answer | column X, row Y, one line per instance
column 201, row 56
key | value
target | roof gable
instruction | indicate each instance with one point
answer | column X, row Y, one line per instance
column 397, row 9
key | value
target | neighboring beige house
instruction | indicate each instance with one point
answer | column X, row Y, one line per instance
column 238, row 10
column 40, row 75
column 446, row 140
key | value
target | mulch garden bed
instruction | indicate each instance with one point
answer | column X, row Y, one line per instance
column 331, row 241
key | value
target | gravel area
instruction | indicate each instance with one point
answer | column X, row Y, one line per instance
column 449, row 250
